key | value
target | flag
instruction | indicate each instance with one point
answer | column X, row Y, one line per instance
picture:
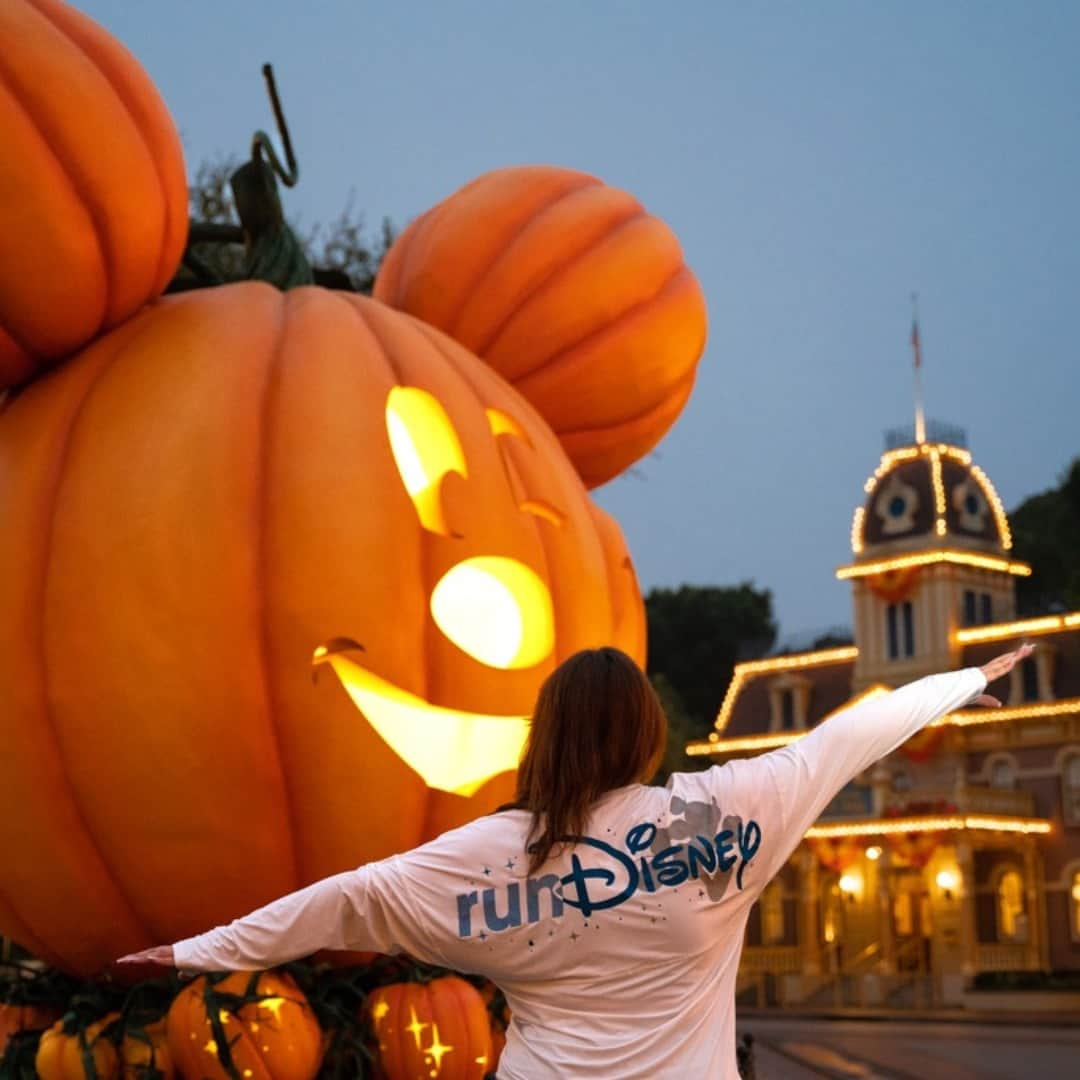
column 915, row 343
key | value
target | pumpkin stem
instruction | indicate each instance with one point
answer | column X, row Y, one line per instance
column 260, row 141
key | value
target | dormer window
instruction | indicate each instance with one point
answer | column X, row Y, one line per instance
column 1033, row 678
column 789, row 697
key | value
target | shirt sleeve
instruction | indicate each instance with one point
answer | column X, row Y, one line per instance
column 353, row 910
column 785, row 791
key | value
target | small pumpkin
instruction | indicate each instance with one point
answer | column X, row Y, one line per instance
column 94, row 207
column 215, row 480
column 572, row 292
column 434, row 1029
column 60, row 1054
column 266, row 1022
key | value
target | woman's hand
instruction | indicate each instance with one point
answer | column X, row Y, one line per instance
column 159, row 955
column 1001, row 665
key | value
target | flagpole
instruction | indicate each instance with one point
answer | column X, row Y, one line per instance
column 916, row 345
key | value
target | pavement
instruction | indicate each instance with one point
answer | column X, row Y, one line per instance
column 808, row 1049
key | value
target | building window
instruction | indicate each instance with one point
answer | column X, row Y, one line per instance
column 1003, row 776
column 901, row 781
column 772, row 913
column 1070, row 790
column 1012, row 920
column 789, row 703
column 900, row 630
column 787, row 710
column 969, row 607
column 986, row 609
column 1029, row 676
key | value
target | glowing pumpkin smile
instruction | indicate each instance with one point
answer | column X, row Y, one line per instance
column 451, row 749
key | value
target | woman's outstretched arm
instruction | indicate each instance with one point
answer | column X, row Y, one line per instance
column 353, row 910
column 785, row 791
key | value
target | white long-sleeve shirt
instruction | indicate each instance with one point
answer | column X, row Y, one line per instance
column 619, row 957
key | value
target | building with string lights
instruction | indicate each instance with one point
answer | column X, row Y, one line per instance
column 959, row 854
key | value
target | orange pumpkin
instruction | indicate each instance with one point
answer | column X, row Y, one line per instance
column 275, row 1038
column 60, row 1055
column 436, row 1029
column 16, row 1018
column 146, row 1054
column 190, row 507
column 572, row 292
column 94, row 208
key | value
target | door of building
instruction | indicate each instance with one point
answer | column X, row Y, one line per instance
column 911, row 920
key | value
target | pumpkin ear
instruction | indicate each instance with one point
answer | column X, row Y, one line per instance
column 572, row 292
column 93, row 224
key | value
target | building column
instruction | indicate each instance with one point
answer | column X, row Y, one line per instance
column 1033, row 894
column 965, row 865
column 809, row 945
column 884, row 905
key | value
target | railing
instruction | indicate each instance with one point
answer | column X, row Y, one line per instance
column 1009, row 956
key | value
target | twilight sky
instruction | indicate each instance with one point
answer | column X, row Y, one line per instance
column 819, row 162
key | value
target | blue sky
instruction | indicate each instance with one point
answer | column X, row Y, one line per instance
column 819, row 161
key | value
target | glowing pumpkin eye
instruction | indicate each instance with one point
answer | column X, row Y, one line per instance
column 497, row 610
column 425, row 447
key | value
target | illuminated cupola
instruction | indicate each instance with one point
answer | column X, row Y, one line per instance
column 932, row 553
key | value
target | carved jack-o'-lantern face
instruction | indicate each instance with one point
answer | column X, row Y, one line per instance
column 191, row 507
column 495, row 608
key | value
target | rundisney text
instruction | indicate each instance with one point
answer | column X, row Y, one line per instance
column 608, row 876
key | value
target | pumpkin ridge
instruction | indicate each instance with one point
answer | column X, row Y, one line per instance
column 77, row 42
column 494, row 334
column 549, row 362
column 53, row 488
column 672, row 391
column 87, row 206
column 263, row 494
column 511, row 239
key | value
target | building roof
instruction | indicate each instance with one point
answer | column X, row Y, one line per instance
column 929, row 495
column 743, row 723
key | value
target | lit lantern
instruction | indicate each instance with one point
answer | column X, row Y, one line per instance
column 440, row 1029
column 273, row 1034
column 93, row 209
column 572, row 292
column 232, row 483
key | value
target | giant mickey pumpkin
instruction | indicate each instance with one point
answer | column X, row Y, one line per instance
column 194, row 507
column 572, row 292
column 93, row 202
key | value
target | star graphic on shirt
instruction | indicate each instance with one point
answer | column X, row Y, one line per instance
column 701, row 892
column 487, row 871
column 483, row 936
column 510, row 864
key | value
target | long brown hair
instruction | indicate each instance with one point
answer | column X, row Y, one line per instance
column 598, row 726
